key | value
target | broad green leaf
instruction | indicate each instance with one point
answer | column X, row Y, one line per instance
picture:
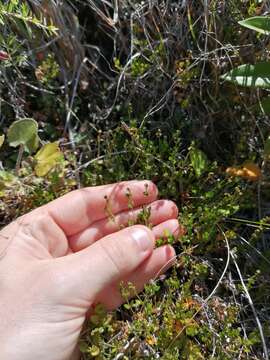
column 199, row 161
column 2, row 139
column 257, row 75
column 47, row 158
column 24, row 132
column 260, row 24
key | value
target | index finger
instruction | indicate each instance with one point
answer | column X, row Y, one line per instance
column 78, row 209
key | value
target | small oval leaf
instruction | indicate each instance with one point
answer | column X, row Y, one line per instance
column 47, row 158
column 24, row 132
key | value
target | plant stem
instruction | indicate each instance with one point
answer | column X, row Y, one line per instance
column 19, row 158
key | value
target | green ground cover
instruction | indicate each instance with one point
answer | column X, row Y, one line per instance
column 134, row 90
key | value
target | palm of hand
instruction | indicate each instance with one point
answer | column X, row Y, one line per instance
column 61, row 259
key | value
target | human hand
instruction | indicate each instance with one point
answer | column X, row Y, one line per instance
column 59, row 260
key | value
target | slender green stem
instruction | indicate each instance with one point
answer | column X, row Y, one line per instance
column 19, row 158
column 243, row 221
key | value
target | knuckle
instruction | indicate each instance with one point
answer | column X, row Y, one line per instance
column 29, row 225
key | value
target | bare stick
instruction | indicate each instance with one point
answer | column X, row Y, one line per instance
column 252, row 307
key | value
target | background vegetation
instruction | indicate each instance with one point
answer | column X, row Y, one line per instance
column 114, row 90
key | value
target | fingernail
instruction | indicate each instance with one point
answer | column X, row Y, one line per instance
column 142, row 238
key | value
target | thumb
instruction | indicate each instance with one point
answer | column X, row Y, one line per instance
column 105, row 262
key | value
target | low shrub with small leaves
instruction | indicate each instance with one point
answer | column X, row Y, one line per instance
column 99, row 92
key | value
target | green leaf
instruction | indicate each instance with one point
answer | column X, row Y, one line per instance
column 24, row 132
column 192, row 330
column 100, row 310
column 261, row 24
column 6, row 180
column 94, row 350
column 47, row 158
column 199, row 161
column 95, row 319
column 257, row 75
column 2, row 139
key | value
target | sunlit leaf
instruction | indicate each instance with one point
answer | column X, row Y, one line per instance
column 252, row 171
column 6, row 180
column 151, row 340
column 260, row 24
column 199, row 161
column 234, row 171
column 47, row 158
column 94, row 351
column 24, row 132
column 2, row 139
column 192, row 330
column 249, row 171
column 257, row 75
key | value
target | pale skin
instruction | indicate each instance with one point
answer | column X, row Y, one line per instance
column 61, row 259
